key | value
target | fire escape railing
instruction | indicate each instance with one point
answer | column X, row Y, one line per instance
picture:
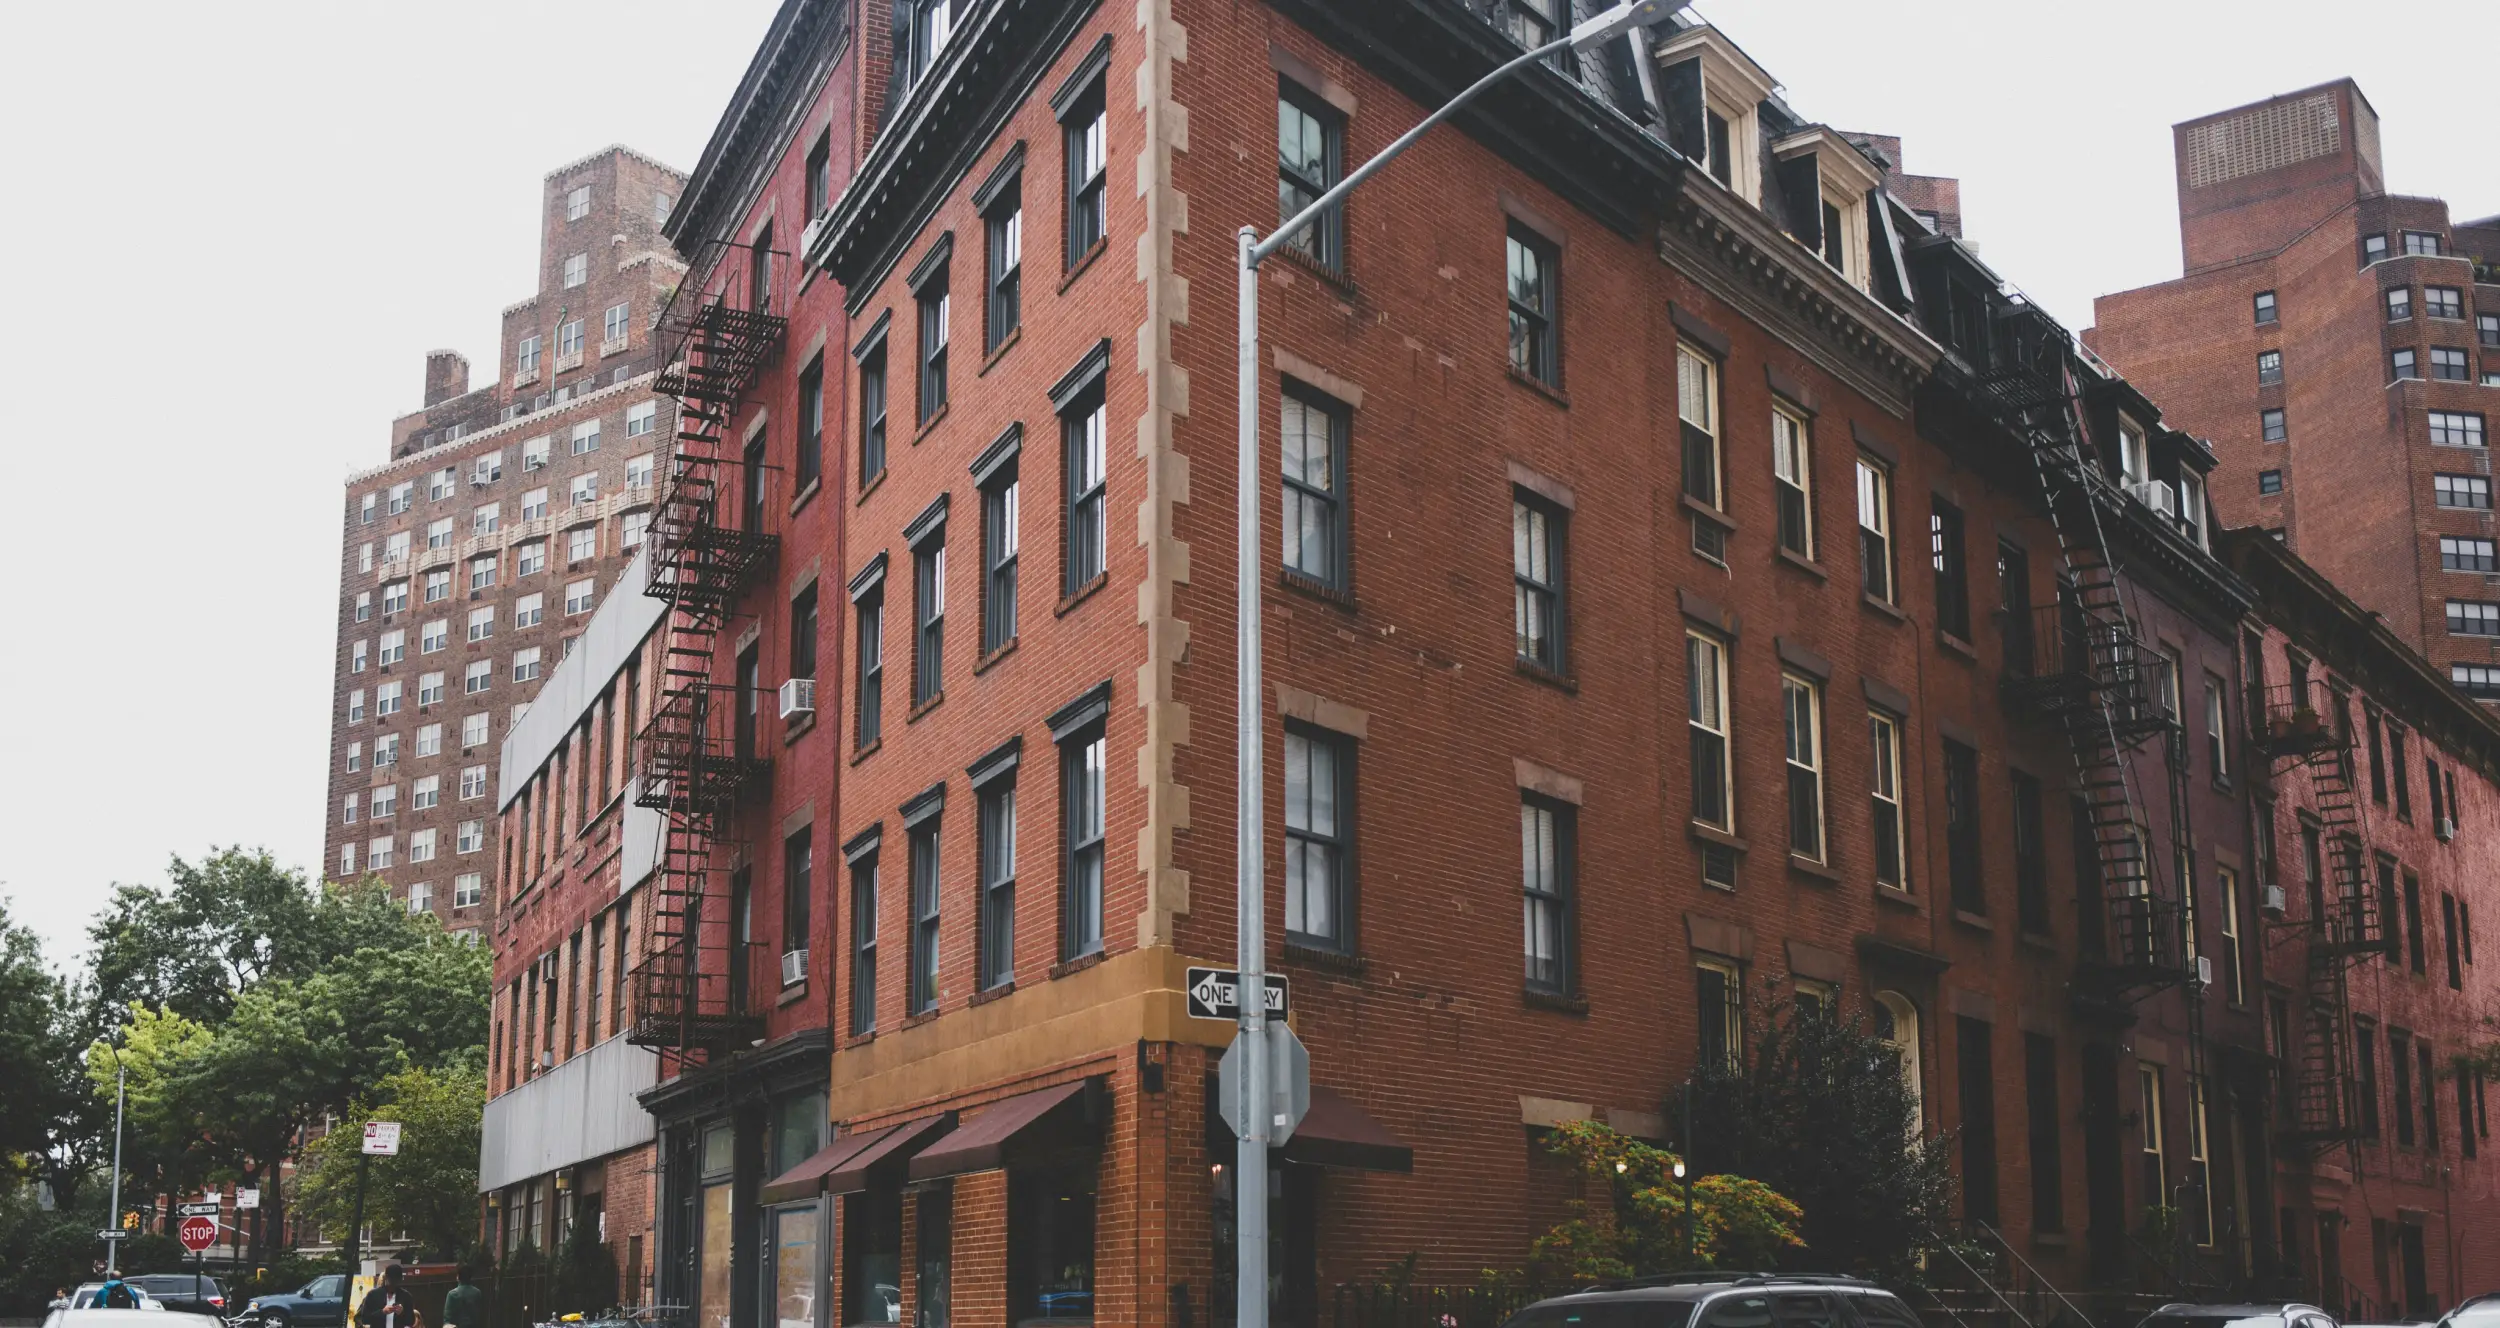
column 692, row 991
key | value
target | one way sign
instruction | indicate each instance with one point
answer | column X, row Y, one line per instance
column 1215, row 993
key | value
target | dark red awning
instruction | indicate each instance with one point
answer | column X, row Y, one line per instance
column 1061, row 1114
column 1337, row 1133
column 891, row 1148
column 807, row 1180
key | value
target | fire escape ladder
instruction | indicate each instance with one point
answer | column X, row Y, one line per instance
column 2343, row 926
column 723, row 325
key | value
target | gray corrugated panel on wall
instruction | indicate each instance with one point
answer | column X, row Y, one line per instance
column 582, row 1109
column 625, row 618
column 645, row 834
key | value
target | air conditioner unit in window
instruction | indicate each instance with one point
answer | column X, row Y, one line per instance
column 793, row 967
column 2271, row 900
column 2447, row 828
column 798, row 697
column 2204, row 972
column 2156, row 495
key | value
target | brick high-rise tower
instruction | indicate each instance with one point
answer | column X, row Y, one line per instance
column 470, row 560
column 2340, row 345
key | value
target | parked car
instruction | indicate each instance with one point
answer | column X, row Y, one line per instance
column 2481, row 1311
column 2180, row 1314
column 319, row 1303
column 184, row 1293
column 64, row 1316
column 1723, row 1300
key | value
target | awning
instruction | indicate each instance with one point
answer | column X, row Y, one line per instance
column 807, row 1180
column 1027, row 1123
column 889, row 1151
column 1337, row 1133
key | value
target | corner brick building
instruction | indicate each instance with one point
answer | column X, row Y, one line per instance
column 472, row 558
column 1704, row 587
column 2340, row 345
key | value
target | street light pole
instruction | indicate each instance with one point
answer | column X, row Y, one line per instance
column 1257, row 1112
column 113, row 1216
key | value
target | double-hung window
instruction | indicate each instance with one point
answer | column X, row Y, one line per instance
column 585, row 437
column 2468, row 553
column 1313, row 530
column 1946, row 553
column 868, row 602
column 394, row 648
column 581, row 596
column 1001, row 202
column 395, row 598
column 863, row 863
column 921, row 984
column 2443, row 302
column 2269, row 367
column 1545, row 884
column 996, row 476
column 438, row 585
column 1310, row 150
column 2270, row 425
column 529, row 610
column 568, row 343
column 2468, row 491
column 1874, row 530
column 477, row 677
column 1084, row 136
column 872, row 406
column 2468, row 617
column 429, row 692
column 1083, row 421
column 473, row 736
column 1697, row 411
column 928, row 569
column 1531, row 23
column 641, row 418
column 996, row 795
column 1531, row 285
column 936, row 305
column 1536, row 566
column 615, row 325
column 1082, row 756
column 584, row 489
column 486, row 519
column 438, row 533
column 2448, row 364
column 1319, row 838
column 1801, row 707
column 2456, row 428
column 803, row 633
column 1792, row 472
column 1891, row 823
column 533, row 504
column 2401, row 364
column 1719, row 1007
column 809, row 465
column 820, row 175
column 921, row 30
column 2265, row 306
column 529, row 559
column 1706, row 695
column 525, row 664
column 364, row 605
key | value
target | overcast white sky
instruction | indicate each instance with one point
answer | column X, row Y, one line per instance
column 239, row 227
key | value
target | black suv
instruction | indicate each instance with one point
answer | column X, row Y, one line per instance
column 1723, row 1300
column 184, row 1293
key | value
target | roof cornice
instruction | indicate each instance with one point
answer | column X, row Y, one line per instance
column 801, row 46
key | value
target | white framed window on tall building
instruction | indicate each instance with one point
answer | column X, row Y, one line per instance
column 479, row 676
column 379, row 852
column 471, row 838
column 641, row 418
column 429, row 691
column 430, row 736
column 576, row 270
column 370, row 508
column 364, row 605
column 577, row 203
column 486, row 519
column 434, row 636
column 385, row 800
column 533, row 504
column 481, row 623
column 355, row 756
column 530, row 558
column 347, row 859
column 386, row 699
column 584, row 490
column 525, row 361
column 364, row 557
column 386, row 750
column 439, row 484
column 568, row 342
column 581, row 544
column 395, row 547
column 356, row 656
column 529, row 610
column 468, row 890
column 482, row 571
column 614, row 327
column 347, row 810
column 473, row 731
column 585, row 437
column 631, row 528
column 535, row 451
column 426, row 793
column 638, row 471
column 472, row 782
column 402, row 494
column 438, row 533
column 438, row 585
column 525, row 665
column 579, row 596
column 420, row 898
column 486, row 468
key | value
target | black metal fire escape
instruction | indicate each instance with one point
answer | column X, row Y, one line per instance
column 2306, row 725
column 722, row 326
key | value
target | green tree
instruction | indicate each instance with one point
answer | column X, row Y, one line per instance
column 1632, row 1217
column 1820, row 1111
column 35, row 1094
column 430, row 1188
column 585, row 1272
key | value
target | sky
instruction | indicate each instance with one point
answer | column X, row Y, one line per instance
column 288, row 202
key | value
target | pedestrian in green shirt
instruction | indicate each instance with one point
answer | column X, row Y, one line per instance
column 465, row 1307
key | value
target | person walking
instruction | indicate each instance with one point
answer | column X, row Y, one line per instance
column 465, row 1307
column 389, row 1304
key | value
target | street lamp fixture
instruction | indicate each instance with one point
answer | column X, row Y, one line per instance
column 1249, row 866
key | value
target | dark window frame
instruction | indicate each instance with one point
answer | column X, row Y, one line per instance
column 873, row 385
column 2267, row 309
column 920, row 991
column 1323, row 241
column 1948, row 555
column 1002, row 229
column 1084, row 128
column 2273, row 425
column 864, row 942
column 868, row 704
column 995, row 817
column 1002, row 544
column 928, row 612
column 933, row 294
column 809, row 466
column 1536, row 316
column 1968, row 884
column 1530, row 513
column 2269, row 368
column 1083, row 857
column 1336, row 848
column 1553, row 901
column 1298, row 493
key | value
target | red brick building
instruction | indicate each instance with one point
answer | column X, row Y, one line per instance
column 472, row 558
column 2340, row 345
column 1683, row 398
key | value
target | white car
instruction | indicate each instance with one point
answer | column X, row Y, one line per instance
column 150, row 1317
column 84, row 1297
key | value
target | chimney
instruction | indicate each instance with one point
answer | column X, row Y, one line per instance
column 446, row 375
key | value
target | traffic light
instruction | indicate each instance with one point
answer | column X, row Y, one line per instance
column 130, row 1220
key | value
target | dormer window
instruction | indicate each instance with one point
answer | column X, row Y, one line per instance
column 1713, row 91
column 2192, row 506
column 921, row 28
column 2135, row 456
column 1824, row 182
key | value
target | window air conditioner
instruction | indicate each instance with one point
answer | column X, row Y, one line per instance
column 2204, row 972
column 2447, row 828
column 793, row 967
column 2272, row 900
column 2158, row 496
column 798, row 697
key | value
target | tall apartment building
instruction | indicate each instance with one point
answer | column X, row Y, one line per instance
column 473, row 557
column 2340, row 346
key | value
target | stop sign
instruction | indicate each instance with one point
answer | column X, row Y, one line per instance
column 197, row 1233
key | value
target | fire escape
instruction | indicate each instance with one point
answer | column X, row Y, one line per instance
column 2342, row 926
column 690, row 991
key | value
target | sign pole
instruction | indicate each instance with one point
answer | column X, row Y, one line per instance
column 113, row 1216
column 356, row 1222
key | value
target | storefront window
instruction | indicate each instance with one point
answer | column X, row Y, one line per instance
column 794, row 1266
column 872, row 1255
column 933, row 1290
column 712, row 1295
column 798, row 1131
column 1050, row 1245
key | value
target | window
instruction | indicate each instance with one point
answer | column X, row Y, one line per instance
column 1874, row 530
column 921, row 30
column 870, row 705
column 1801, row 707
column 1697, row 408
column 355, row 756
column 1944, row 541
column 2468, row 617
column 2217, row 733
column 2373, row 249
column 2421, row 242
column 364, row 605
column 529, row 610
column 576, row 270
column 998, row 881
column 1714, row 793
column 935, row 303
column 614, row 326
column 864, row 941
column 525, row 363
column 1081, row 439
column 2031, row 856
column 2448, row 930
column 438, row 533
column 385, row 801
column 1310, row 149
column 395, row 597
column 2448, row 364
column 2399, row 303
column 482, row 571
column 660, row 204
column 585, row 441
column 641, row 418
column 364, row 557
column 577, row 204
column 2234, row 971
column 486, row 519
column 1719, row 1011
column 630, row 528
column 2400, row 1057
column 2466, row 553
column 1002, row 224
column 380, row 852
column 928, row 560
column 2462, row 491
column 2415, row 950
column 1890, row 823
column 370, row 509
column 2265, row 307
column 471, row 837
column 803, row 633
column 347, row 859
column 581, row 544
column 426, row 793
column 872, row 413
column 584, row 489
column 809, row 465
column 2269, row 482
column 1531, row 22
column 1313, row 529
column 1537, row 580
column 386, row 700
column 568, row 343
column 402, row 494
column 438, row 585
column 2270, row 425
column 2451, row 428
column 2443, row 302
column 1545, row 872
column 472, row 779
column 2269, row 367
column 1081, row 776
column 2400, row 364
column 1319, row 787
column 1531, row 285
column 2153, row 1124
column 1961, row 828
column 434, row 636
column 347, row 810
column 468, row 890
column 820, row 175
column 395, row 547
column 533, row 504
column 2365, row 1059
column 386, row 750
column 1000, row 539
column 525, row 665
column 1792, row 471
column 1084, row 137
column 920, row 988
column 356, row 657
column 429, row 692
